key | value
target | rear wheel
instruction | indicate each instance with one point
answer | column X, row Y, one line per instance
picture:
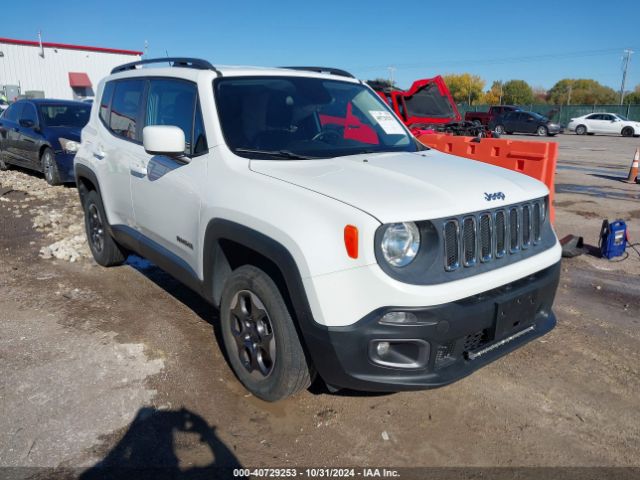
column 50, row 167
column 260, row 338
column 499, row 129
column 542, row 131
column 627, row 132
column 581, row 130
column 104, row 248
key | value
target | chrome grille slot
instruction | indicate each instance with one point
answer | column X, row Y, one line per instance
column 486, row 243
column 537, row 221
column 469, row 241
column 526, row 226
column 451, row 245
column 500, row 233
column 477, row 239
column 514, row 230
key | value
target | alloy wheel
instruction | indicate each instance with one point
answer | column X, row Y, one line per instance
column 96, row 228
column 253, row 333
column 48, row 167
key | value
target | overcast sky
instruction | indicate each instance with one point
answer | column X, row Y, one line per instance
column 541, row 42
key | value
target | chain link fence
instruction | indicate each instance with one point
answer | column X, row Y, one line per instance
column 564, row 113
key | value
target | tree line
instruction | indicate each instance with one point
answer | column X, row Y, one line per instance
column 470, row 89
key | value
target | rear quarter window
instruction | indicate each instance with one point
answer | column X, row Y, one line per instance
column 105, row 102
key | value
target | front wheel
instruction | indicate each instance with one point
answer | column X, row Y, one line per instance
column 542, row 131
column 499, row 129
column 104, row 248
column 581, row 130
column 260, row 338
column 4, row 166
column 50, row 167
column 627, row 132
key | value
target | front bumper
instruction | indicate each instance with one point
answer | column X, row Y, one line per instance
column 64, row 162
column 449, row 342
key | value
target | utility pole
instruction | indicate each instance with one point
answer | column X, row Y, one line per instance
column 569, row 95
column 391, row 69
column 627, row 53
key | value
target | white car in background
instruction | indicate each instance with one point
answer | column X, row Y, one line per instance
column 607, row 123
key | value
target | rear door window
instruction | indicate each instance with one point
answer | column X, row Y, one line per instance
column 125, row 108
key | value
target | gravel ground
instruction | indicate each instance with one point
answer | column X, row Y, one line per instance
column 123, row 366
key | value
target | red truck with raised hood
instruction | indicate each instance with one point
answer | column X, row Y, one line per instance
column 428, row 107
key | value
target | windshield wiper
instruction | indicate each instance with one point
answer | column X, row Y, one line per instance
column 276, row 153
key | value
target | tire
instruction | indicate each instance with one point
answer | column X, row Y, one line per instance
column 542, row 131
column 4, row 166
column 104, row 248
column 260, row 338
column 581, row 130
column 50, row 167
column 627, row 132
column 477, row 123
column 499, row 129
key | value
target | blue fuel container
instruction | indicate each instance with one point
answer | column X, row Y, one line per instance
column 613, row 239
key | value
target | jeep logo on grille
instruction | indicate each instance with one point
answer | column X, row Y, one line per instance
column 494, row 196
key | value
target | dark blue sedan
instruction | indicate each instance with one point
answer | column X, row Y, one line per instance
column 43, row 135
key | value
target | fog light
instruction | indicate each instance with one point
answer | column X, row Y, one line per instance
column 399, row 318
column 382, row 348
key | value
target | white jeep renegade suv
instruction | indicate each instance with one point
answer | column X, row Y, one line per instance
column 329, row 239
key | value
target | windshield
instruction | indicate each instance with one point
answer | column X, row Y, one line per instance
column 65, row 115
column 622, row 117
column 298, row 117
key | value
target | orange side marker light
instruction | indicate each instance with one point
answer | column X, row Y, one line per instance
column 351, row 240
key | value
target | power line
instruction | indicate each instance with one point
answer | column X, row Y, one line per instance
column 494, row 61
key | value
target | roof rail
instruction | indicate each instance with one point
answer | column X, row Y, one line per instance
column 330, row 70
column 182, row 62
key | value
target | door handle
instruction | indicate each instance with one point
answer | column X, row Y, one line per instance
column 99, row 153
column 138, row 170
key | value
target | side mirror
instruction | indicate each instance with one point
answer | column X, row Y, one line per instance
column 27, row 123
column 163, row 140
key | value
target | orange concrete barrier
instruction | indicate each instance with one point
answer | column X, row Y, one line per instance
column 536, row 159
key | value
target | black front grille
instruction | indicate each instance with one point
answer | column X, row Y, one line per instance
column 537, row 220
column 445, row 354
column 526, row 226
column 474, row 341
column 514, row 227
column 488, row 236
column 452, row 248
column 501, row 233
column 469, row 241
column 486, row 249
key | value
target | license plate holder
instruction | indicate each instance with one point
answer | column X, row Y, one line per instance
column 515, row 314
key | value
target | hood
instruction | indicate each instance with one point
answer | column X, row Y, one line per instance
column 394, row 187
column 429, row 101
column 70, row 133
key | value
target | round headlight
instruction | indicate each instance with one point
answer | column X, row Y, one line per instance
column 400, row 243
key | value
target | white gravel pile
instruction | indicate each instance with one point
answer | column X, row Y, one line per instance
column 60, row 218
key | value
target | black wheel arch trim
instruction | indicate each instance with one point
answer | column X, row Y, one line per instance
column 82, row 171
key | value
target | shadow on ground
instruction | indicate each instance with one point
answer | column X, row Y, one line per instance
column 149, row 450
column 209, row 314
